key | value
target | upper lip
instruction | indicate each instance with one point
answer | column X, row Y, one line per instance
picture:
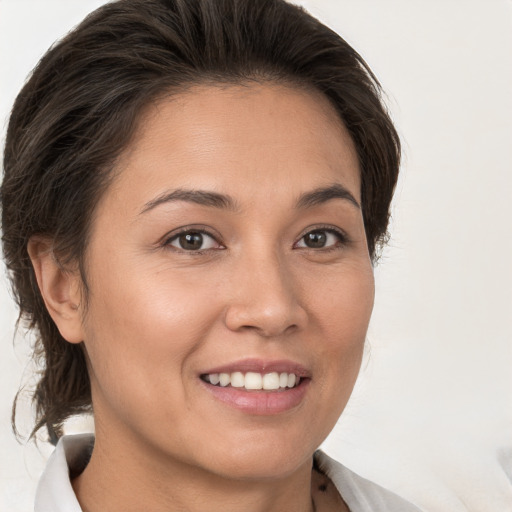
column 261, row 366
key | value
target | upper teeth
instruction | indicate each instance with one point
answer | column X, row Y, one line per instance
column 253, row 380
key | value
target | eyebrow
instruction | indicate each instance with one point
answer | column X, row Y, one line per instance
column 201, row 197
column 222, row 201
column 323, row 194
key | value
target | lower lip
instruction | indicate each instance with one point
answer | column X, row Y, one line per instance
column 258, row 402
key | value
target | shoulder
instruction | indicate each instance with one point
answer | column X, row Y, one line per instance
column 54, row 491
column 360, row 494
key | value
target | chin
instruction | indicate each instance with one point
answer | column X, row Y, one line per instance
column 262, row 458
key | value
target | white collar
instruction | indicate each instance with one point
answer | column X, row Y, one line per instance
column 54, row 491
column 360, row 494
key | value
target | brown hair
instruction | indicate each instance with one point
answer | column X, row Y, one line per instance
column 78, row 110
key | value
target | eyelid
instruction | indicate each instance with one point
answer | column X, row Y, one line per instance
column 341, row 234
column 195, row 228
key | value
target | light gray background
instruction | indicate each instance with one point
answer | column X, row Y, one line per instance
column 431, row 416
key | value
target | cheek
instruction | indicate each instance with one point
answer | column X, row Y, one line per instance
column 344, row 306
column 342, row 317
column 142, row 328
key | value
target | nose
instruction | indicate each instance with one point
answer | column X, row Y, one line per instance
column 265, row 298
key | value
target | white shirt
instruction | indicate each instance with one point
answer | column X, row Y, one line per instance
column 55, row 493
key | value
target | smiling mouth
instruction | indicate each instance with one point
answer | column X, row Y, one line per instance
column 253, row 381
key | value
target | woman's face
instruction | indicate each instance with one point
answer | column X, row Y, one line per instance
column 230, row 242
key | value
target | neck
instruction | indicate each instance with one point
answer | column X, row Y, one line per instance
column 130, row 477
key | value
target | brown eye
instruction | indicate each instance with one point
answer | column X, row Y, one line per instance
column 193, row 241
column 320, row 239
column 315, row 239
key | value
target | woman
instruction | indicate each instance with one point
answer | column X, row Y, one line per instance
column 193, row 196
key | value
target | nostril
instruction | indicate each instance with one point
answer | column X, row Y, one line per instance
column 266, row 323
column 270, row 332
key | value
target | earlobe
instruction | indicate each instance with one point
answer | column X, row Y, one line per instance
column 59, row 287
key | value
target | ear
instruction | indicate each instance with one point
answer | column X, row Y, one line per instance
column 59, row 287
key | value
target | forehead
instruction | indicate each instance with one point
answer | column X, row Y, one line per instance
column 258, row 139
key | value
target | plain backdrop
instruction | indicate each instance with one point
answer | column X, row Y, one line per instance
column 431, row 415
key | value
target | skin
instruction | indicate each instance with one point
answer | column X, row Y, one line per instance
column 159, row 315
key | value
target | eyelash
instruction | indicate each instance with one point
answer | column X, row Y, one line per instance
column 343, row 239
column 189, row 230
